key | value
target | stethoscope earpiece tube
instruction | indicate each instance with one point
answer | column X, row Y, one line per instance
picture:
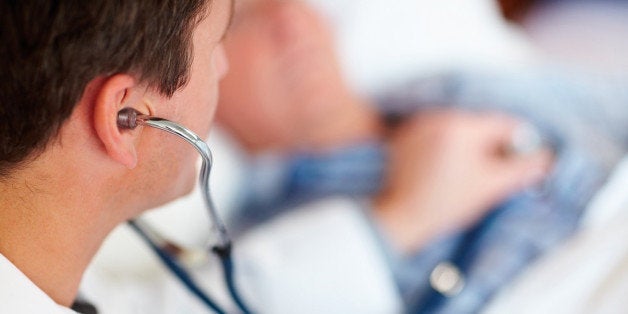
column 227, row 266
column 129, row 118
column 176, row 269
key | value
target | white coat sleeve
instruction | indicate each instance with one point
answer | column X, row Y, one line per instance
column 324, row 258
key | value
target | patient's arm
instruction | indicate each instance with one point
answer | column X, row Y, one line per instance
column 448, row 168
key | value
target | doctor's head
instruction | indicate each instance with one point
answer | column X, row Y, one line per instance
column 68, row 67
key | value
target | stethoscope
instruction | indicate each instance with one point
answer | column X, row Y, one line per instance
column 168, row 253
column 173, row 257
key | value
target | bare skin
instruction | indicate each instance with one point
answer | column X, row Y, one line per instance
column 285, row 90
column 448, row 169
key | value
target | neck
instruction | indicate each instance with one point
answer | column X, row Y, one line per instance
column 50, row 230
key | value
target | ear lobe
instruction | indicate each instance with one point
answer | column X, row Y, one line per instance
column 115, row 93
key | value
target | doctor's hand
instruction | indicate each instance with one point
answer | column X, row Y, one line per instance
column 447, row 169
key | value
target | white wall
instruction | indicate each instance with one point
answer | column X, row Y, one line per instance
column 380, row 41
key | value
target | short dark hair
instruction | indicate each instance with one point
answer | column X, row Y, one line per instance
column 51, row 50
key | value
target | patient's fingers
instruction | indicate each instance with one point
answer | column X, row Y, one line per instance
column 522, row 156
column 521, row 171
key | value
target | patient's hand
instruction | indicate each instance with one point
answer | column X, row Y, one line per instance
column 448, row 168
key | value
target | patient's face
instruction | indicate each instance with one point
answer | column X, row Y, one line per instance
column 284, row 77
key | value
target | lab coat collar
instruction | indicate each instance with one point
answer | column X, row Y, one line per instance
column 18, row 294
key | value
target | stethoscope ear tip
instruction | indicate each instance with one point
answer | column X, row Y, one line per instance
column 127, row 118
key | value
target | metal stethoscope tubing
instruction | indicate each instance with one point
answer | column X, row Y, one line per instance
column 129, row 118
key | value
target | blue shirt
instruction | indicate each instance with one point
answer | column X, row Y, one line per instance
column 585, row 121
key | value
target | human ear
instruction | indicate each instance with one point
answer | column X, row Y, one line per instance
column 117, row 92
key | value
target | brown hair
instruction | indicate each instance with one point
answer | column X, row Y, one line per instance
column 50, row 50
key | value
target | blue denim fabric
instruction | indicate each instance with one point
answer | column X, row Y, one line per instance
column 493, row 252
column 585, row 121
column 355, row 170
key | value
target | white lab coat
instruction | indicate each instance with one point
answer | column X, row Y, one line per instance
column 323, row 258
column 18, row 294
